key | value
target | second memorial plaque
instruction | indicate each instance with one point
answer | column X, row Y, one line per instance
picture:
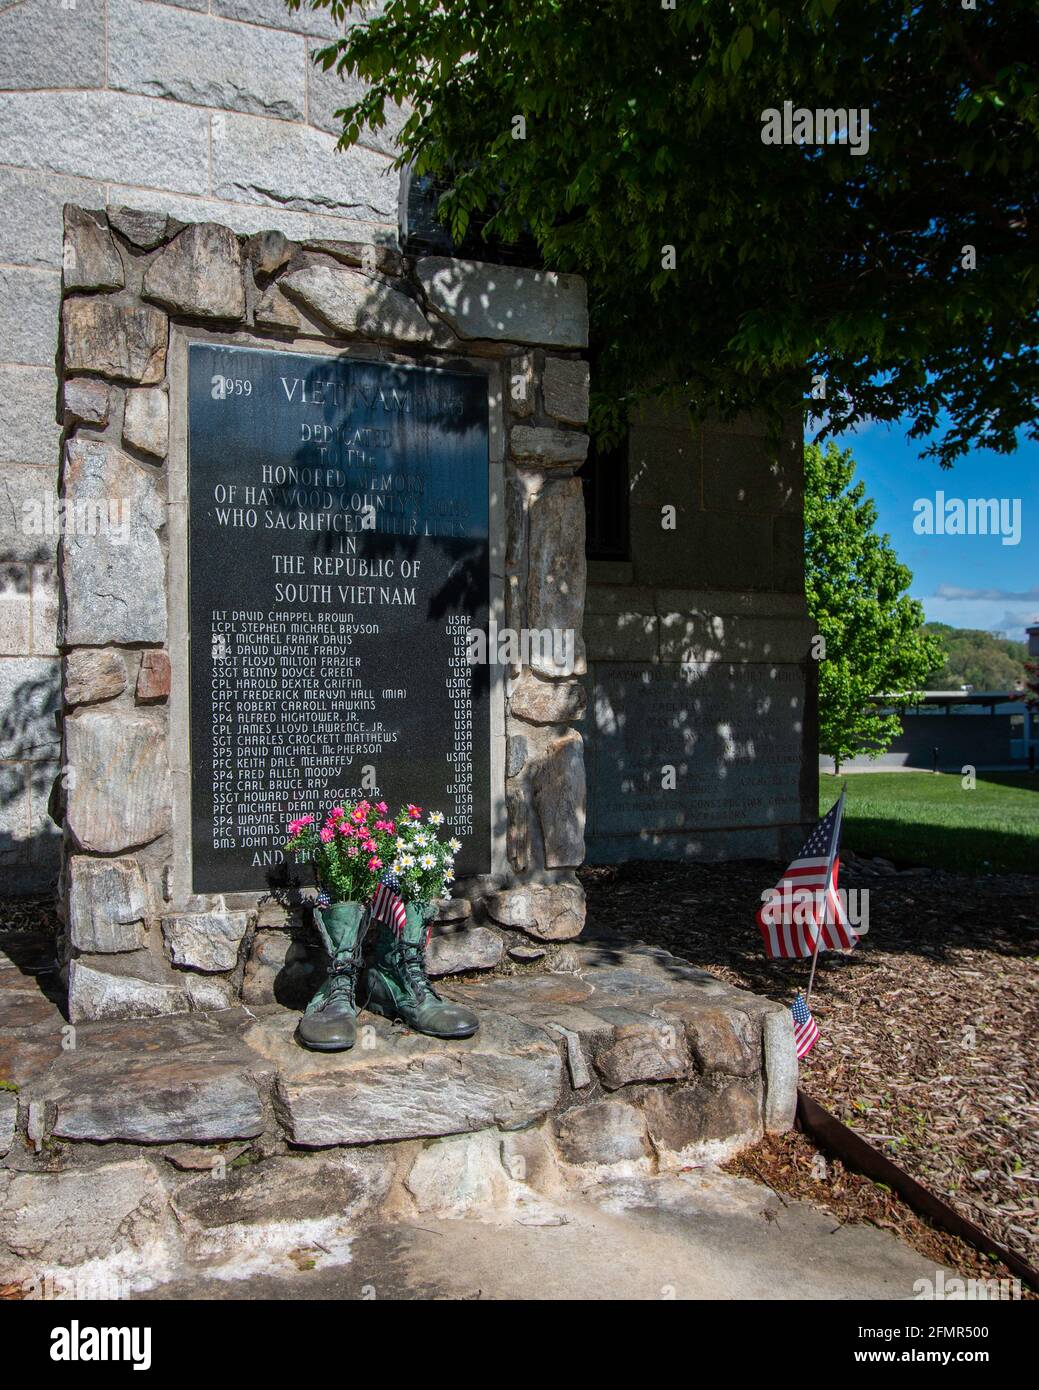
column 338, row 553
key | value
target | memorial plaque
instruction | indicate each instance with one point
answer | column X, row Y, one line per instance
column 338, row 555
column 732, row 734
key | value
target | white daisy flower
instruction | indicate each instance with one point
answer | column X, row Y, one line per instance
column 422, row 841
column 401, row 843
column 427, row 861
column 436, row 817
column 449, row 877
column 454, row 845
column 407, row 861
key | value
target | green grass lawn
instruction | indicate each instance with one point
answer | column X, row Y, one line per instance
column 920, row 818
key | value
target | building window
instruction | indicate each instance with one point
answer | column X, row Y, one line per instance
column 605, row 478
column 421, row 233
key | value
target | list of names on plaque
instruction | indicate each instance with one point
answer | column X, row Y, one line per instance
column 338, row 553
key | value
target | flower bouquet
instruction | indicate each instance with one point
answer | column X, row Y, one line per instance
column 347, row 852
column 421, row 864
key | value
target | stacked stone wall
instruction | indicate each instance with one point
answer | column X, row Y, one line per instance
column 136, row 285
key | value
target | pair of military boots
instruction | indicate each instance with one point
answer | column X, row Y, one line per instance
column 395, row 985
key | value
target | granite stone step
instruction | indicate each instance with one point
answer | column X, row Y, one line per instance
column 399, row 1085
column 705, row 1064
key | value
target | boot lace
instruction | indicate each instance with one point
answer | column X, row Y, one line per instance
column 342, row 975
column 413, row 966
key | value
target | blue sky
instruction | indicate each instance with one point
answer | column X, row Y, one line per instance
column 967, row 581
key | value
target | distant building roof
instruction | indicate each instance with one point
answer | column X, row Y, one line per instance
column 951, row 697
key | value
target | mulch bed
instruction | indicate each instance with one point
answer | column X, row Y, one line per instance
column 28, row 914
column 793, row 1167
column 929, row 1028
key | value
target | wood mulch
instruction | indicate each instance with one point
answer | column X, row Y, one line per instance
column 794, row 1168
column 929, row 1028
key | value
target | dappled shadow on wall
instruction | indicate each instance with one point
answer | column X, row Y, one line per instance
column 683, row 747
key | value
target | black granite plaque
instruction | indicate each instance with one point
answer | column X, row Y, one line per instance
column 338, row 554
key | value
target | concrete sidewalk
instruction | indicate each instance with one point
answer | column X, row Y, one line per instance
column 691, row 1236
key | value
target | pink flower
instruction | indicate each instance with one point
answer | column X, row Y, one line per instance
column 352, row 852
column 336, row 813
column 345, row 828
column 414, row 812
column 295, row 826
column 374, row 862
column 325, row 834
column 358, row 815
column 369, row 845
column 381, row 806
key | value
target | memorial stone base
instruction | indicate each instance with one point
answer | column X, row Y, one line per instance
column 257, row 432
column 152, row 1149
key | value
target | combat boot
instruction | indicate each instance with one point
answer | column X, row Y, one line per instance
column 398, row 986
column 329, row 1023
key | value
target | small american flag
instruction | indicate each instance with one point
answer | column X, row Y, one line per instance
column 808, row 907
column 387, row 904
column 806, row 1031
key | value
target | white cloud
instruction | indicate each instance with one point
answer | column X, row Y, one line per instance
column 985, row 609
column 974, row 595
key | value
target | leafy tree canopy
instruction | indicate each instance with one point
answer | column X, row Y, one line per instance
column 856, row 587
column 642, row 130
column 985, row 660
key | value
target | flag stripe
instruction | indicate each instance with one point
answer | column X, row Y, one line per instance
column 806, row 1031
column 388, row 906
column 805, row 906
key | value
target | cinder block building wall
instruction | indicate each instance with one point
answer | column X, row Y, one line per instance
column 702, row 731
column 203, row 109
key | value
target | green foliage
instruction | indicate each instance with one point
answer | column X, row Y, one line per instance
column 856, row 591
column 643, row 130
column 972, row 657
column 1031, row 691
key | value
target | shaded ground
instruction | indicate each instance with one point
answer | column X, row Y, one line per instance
column 929, row 1028
column 920, row 818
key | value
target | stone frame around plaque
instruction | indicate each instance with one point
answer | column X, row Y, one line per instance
column 135, row 940
column 183, row 899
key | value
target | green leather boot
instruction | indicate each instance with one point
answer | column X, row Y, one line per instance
column 329, row 1023
column 398, row 986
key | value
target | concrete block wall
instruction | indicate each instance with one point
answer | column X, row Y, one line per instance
column 719, row 595
column 208, row 110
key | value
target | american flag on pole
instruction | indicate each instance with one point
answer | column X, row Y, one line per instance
column 806, row 1031
column 387, row 904
column 805, row 908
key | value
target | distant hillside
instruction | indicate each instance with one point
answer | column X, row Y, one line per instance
column 980, row 659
